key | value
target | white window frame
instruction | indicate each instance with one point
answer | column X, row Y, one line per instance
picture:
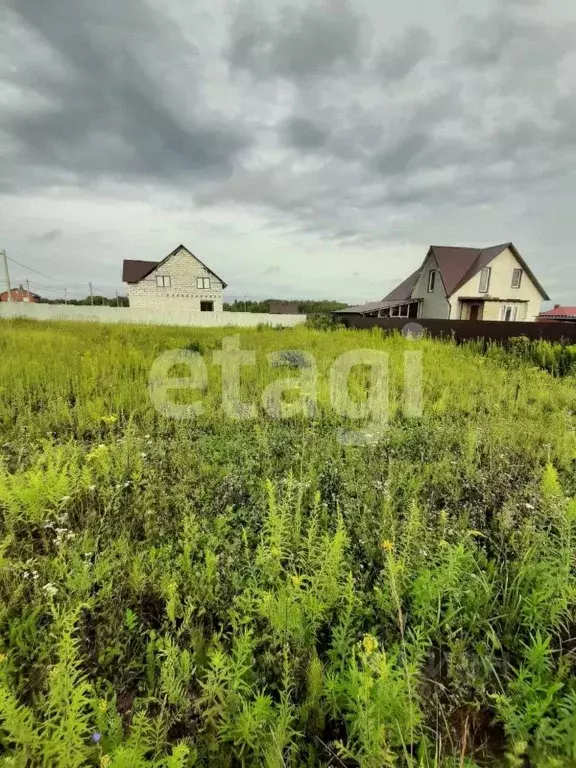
column 485, row 275
column 163, row 281
column 517, row 272
column 513, row 313
column 203, row 283
column 431, row 280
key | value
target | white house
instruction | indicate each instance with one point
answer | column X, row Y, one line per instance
column 464, row 284
column 178, row 282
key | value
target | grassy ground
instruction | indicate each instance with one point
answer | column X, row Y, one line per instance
column 223, row 593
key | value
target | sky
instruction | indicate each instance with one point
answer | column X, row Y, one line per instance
column 310, row 149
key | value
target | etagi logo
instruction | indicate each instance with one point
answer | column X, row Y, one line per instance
column 372, row 412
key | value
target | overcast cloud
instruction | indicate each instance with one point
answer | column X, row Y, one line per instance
column 303, row 149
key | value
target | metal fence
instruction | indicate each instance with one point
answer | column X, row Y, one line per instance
column 466, row 330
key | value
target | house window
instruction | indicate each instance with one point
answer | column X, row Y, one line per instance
column 485, row 280
column 431, row 280
column 395, row 312
column 206, row 306
column 163, row 281
column 516, row 278
column 509, row 314
column 203, row 282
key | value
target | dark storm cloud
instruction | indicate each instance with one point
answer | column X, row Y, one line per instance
column 305, row 134
column 321, row 38
column 397, row 61
column 108, row 108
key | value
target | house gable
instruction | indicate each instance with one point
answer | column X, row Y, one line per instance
column 527, row 297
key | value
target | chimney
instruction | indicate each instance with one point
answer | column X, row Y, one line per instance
column 557, row 306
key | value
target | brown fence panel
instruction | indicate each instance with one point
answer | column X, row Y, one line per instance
column 466, row 330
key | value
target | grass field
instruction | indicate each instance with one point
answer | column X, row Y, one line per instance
column 256, row 592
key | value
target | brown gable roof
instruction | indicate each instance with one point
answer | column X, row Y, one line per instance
column 134, row 271
column 454, row 263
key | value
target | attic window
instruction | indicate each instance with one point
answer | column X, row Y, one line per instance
column 203, row 282
column 516, row 278
column 431, row 280
column 163, row 281
column 484, row 280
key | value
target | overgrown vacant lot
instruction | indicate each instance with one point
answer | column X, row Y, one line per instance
column 223, row 592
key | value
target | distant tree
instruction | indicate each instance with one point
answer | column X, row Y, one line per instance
column 305, row 306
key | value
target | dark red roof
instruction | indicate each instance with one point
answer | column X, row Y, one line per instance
column 134, row 271
column 559, row 312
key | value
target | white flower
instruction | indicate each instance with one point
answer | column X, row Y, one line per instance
column 50, row 589
column 127, row 483
column 26, row 574
column 92, row 488
column 530, row 506
column 143, row 455
column 146, row 437
column 70, row 535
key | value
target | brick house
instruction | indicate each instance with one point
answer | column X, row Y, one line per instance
column 21, row 295
column 178, row 282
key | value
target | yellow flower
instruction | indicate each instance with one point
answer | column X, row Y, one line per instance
column 112, row 419
column 387, row 545
column 105, row 761
column 296, row 580
column 102, row 705
column 370, row 644
column 3, row 658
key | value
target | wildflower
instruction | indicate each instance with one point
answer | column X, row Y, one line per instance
column 112, row 419
column 35, row 575
column 387, row 545
column 91, row 487
column 530, row 506
column 26, row 574
column 96, row 738
column 127, row 483
column 103, row 706
column 296, row 580
column 105, row 761
column 146, row 437
column 143, row 455
column 70, row 535
column 50, row 589
column 3, row 658
column 370, row 644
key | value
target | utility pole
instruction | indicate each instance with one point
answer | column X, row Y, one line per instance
column 28, row 289
column 91, row 294
column 117, row 300
column 6, row 273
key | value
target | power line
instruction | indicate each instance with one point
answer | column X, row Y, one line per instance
column 31, row 269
